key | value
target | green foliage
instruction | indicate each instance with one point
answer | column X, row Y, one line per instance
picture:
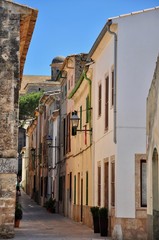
column 28, row 104
column 103, row 212
column 18, row 211
column 95, row 211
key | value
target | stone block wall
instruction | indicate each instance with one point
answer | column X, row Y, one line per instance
column 80, row 61
column 7, row 205
column 9, row 88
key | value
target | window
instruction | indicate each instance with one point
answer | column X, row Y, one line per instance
column 87, row 188
column 99, row 185
column 75, row 189
column 70, row 186
column 78, row 188
column 87, row 109
column 64, row 136
column 60, row 189
column 68, row 141
column 113, row 183
column 99, row 100
column 65, row 91
column 106, row 178
column 71, row 80
column 45, row 185
column 41, row 186
column 80, row 117
column 143, row 168
column 106, row 102
column 112, row 88
column 34, row 189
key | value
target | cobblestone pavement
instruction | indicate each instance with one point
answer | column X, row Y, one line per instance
column 37, row 223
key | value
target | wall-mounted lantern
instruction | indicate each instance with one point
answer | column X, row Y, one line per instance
column 49, row 142
column 75, row 121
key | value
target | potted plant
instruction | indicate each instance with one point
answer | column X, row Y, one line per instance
column 18, row 214
column 95, row 215
column 50, row 205
column 103, row 221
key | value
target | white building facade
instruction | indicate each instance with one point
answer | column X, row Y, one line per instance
column 124, row 53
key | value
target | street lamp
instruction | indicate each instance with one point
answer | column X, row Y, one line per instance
column 75, row 121
column 49, row 142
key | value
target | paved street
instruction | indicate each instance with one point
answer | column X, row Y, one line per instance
column 37, row 223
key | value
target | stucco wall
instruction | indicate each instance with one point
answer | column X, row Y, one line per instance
column 137, row 53
column 137, row 49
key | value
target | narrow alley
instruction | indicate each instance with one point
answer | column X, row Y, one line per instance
column 37, row 223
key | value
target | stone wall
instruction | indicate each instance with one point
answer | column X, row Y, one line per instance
column 80, row 61
column 9, row 82
column 153, row 143
column 7, row 205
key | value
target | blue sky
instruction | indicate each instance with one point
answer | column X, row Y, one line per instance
column 67, row 27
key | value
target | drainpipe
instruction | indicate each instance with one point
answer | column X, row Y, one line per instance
column 90, row 123
column 90, row 97
column 115, row 75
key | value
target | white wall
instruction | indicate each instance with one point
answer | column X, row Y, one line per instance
column 103, row 145
column 138, row 47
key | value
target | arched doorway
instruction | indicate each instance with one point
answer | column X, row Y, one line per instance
column 155, row 194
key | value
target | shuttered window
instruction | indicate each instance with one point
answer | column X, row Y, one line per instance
column 106, row 179
column 99, row 100
column 113, row 183
column 68, row 142
column 99, row 185
column 112, row 88
column 106, row 102
column 80, row 117
column 70, row 186
column 87, row 109
column 87, row 188
column 75, row 189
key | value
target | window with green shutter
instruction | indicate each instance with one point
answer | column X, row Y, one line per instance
column 75, row 189
column 80, row 117
column 87, row 188
column 87, row 109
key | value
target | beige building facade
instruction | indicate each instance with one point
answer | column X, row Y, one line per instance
column 69, row 74
column 79, row 167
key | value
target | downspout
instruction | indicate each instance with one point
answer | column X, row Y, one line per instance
column 90, row 96
column 90, row 121
column 115, row 77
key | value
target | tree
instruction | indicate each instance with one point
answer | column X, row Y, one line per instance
column 28, row 104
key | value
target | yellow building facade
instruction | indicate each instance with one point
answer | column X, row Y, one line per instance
column 79, row 165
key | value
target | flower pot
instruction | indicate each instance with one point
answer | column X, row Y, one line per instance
column 17, row 223
column 103, row 221
column 96, row 224
column 95, row 215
